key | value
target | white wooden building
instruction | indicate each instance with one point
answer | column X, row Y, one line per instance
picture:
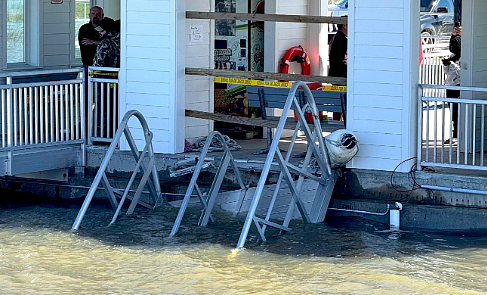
column 156, row 47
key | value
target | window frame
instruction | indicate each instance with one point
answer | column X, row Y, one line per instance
column 33, row 20
column 76, row 61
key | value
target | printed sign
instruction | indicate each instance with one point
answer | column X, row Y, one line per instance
column 196, row 34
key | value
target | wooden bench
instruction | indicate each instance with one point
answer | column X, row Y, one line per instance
column 328, row 101
column 275, row 98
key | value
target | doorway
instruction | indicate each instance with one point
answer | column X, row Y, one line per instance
column 239, row 46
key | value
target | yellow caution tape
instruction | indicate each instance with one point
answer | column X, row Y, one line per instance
column 275, row 84
column 335, row 88
column 246, row 82
column 91, row 73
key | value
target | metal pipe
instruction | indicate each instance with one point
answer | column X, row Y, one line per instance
column 61, row 111
column 36, row 114
column 15, row 115
column 71, row 112
column 46, row 111
column 56, row 112
column 31, row 116
column 464, row 88
column 36, row 73
column 52, row 114
column 362, row 212
column 66, row 113
column 4, row 117
column 454, row 190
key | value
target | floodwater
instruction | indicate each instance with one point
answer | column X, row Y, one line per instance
column 40, row 255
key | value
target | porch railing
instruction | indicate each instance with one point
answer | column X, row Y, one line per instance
column 37, row 110
column 431, row 68
column 436, row 145
column 104, row 113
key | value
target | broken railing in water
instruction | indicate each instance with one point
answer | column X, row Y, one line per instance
column 436, row 147
column 37, row 110
column 103, row 97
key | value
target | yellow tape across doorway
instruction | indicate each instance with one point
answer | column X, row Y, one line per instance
column 275, row 84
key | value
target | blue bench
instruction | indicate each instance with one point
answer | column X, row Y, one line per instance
column 275, row 98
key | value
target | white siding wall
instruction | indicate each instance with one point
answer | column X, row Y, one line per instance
column 382, row 79
column 1, row 34
column 58, row 36
column 152, row 72
column 199, row 90
column 479, row 70
column 474, row 59
column 286, row 34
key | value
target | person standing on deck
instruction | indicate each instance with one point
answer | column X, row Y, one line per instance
column 338, row 57
column 338, row 53
column 452, row 71
column 88, row 37
column 108, row 51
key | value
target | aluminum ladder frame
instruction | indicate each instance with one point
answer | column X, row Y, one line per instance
column 146, row 169
column 316, row 146
column 208, row 203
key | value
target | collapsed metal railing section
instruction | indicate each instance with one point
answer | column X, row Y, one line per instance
column 316, row 147
column 209, row 202
column 436, row 146
column 146, row 169
column 103, row 99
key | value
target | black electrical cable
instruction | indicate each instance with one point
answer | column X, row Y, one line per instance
column 411, row 177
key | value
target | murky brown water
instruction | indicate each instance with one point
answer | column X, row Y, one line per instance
column 40, row 255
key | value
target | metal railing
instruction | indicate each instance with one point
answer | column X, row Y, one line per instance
column 431, row 69
column 34, row 111
column 437, row 117
column 104, row 113
column 145, row 165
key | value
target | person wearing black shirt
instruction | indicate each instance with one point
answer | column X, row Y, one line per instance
column 338, row 53
column 88, row 37
column 338, row 57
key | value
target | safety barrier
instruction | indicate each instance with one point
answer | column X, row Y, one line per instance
column 103, row 97
column 34, row 111
column 436, row 145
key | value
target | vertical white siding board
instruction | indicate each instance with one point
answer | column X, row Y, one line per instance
column 382, row 81
column 151, row 69
column 411, row 81
column 199, row 90
column 57, row 41
column 180, row 77
column 2, row 40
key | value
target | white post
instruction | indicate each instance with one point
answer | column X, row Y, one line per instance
column 395, row 216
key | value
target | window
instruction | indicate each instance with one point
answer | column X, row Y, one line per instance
column 82, row 16
column 16, row 37
column 22, row 28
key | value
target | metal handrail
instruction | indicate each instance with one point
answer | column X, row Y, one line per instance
column 208, row 204
column 39, row 72
column 321, row 156
column 448, row 149
column 451, row 87
column 154, row 186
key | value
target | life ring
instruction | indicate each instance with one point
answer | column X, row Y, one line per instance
column 297, row 54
